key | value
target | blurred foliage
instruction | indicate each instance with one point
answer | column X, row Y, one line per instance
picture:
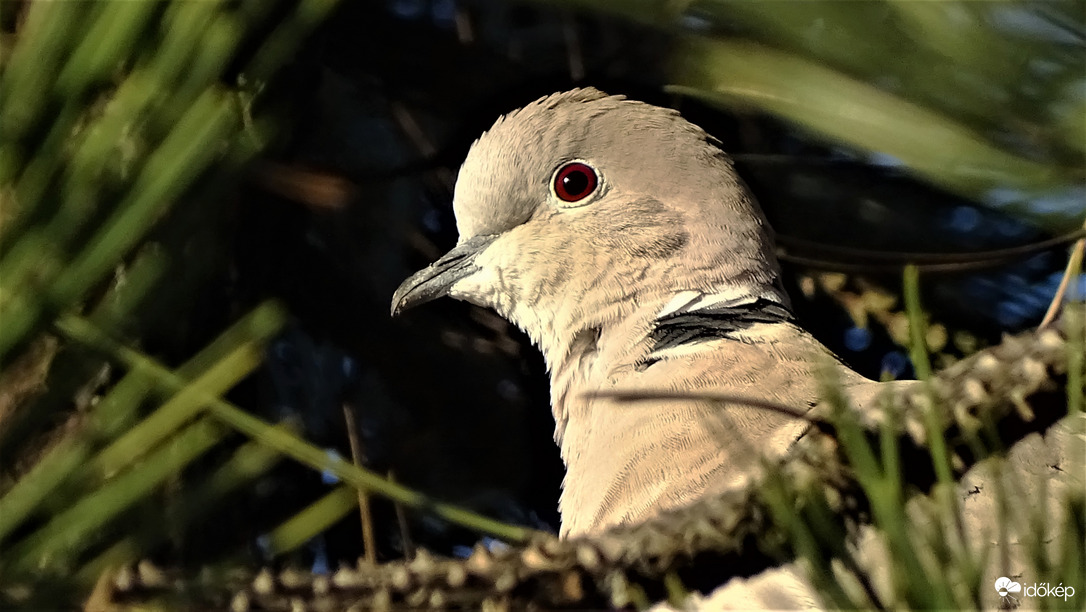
column 985, row 99
column 115, row 116
column 126, row 128
column 122, row 126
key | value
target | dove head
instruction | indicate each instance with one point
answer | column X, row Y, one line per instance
column 582, row 210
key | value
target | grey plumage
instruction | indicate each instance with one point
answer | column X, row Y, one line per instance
column 661, row 278
column 597, row 284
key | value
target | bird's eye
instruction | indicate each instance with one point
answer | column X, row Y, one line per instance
column 575, row 181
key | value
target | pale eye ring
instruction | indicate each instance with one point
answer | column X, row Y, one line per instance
column 575, row 181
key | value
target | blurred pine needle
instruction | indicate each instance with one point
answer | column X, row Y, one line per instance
column 113, row 114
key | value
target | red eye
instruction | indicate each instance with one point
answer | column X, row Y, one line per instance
column 575, row 181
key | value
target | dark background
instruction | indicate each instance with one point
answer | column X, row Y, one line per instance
column 389, row 97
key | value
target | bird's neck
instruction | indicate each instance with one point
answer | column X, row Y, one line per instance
column 597, row 347
column 626, row 461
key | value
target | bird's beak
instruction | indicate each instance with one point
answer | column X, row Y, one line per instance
column 437, row 279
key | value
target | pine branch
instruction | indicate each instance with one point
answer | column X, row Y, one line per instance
column 1018, row 387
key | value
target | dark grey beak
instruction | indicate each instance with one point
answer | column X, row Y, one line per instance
column 435, row 280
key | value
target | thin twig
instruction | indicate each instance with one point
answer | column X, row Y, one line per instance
column 464, row 32
column 414, row 132
column 405, row 531
column 369, row 542
column 575, row 54
column 1074, row 263
column 997, row 256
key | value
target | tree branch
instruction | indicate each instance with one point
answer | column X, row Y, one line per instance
column 1017, row 387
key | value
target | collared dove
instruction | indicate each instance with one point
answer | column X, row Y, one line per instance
column 620, row 238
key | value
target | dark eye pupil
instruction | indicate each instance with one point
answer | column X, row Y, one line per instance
column 575, row 183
